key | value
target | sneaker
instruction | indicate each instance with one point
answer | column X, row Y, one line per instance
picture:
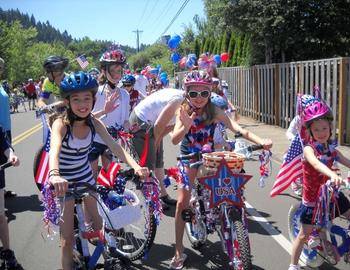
column 10, row 194
column 178, row 263
column 9, row 260
column 294, row 267
column 168, row 200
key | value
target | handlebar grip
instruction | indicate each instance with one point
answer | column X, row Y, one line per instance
column 238, row 135
column 6, row 165
column 255, row 147
column 192, row 165
column 195, row 155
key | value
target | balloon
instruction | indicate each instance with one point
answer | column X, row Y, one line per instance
column 217, row 59
column 163, row 75
column 143, row 72
column 182, row 63
column 175, row 57
column 177, row 38
column 164, row 81
column 158, row 66
column 192, row 56
column 224, row 57
column 190, row 62
column 173, row 43
column 154, row 71
column 203, row 64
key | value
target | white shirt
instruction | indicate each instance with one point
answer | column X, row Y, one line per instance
column 141, row 84
column 150, row 108
column 119, row 115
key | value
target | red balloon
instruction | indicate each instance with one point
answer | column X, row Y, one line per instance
column 224, row 57
column 182, row 63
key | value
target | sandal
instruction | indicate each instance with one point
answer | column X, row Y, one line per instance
column 178, row 264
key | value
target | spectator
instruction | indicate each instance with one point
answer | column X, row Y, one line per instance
column 141, row 83
column 31, row 93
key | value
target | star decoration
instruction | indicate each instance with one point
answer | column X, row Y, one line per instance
column 225, row 186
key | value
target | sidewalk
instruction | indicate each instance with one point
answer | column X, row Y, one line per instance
column 278, row 137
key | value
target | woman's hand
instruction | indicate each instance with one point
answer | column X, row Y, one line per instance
column 337, row 180
column 187, row 120
column 14, row 159
column 267, row 143
column 60, row 184
column 143, row 172
column 110, row 103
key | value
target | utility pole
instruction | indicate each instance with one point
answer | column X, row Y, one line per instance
column 137, row 31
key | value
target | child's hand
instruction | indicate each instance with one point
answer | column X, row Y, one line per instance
column 14, row 159
column 143, row 172
column 186, row 119
column 60, row 184
column 337, row 180
column 267, row 143
column 110, row 103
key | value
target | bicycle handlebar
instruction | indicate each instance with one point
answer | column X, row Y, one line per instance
column 6, row 165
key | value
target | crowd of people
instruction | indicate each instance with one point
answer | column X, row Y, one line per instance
column 87, row 102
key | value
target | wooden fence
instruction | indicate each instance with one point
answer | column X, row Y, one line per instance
column 268, row 92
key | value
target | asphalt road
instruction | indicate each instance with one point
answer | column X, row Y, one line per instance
column 267, row 220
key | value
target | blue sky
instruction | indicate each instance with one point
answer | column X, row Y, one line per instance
column 113, row 20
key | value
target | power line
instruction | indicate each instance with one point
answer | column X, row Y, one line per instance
column 143, row 13
column 175, row 17
column 155, row 3
column 137, row 31
column 162, row 15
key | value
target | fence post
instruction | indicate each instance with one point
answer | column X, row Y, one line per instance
column 256, row 93
column 342, row 101
column 276, row 96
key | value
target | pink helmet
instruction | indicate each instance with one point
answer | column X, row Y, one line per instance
column 317, row 110
column 113, row 57
column 197, row 78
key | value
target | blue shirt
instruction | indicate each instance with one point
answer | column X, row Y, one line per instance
column 5, row 119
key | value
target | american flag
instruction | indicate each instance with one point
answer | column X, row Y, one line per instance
column 107, row 178
column 82, row 61
column 42, row 172
column 291, row 168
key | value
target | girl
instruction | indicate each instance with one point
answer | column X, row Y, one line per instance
column 195, row 124
column 319, row 156
column 72, row 136
column 112, row 63
column 128, row 83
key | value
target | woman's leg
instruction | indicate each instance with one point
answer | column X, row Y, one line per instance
column 90, row 206
column 67, row 235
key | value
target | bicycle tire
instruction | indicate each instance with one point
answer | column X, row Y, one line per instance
column 196, row 231
column 243, row 243
column 312, row 258
column 135, row 240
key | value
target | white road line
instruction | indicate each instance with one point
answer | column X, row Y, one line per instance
column 276, row 235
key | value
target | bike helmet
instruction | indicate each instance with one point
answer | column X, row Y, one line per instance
column 113, row 57
column 197, row 78
column 128, row 79
column 55, row 63
column 317, row 110
column 219, row 101
column 78, row 82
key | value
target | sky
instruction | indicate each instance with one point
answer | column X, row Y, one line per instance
column 113, row 20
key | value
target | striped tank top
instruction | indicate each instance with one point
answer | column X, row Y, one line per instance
column 73, row 159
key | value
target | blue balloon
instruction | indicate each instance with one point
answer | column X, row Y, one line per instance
column 173, row 43
column 163, row 75
column 217, row 59
column 175, row 57
column 192, row 56
column 154, row 71
column 190, row 63
column 164, row 81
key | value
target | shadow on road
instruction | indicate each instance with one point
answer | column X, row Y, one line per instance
column 22, row 204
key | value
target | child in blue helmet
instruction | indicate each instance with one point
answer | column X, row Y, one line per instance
column 72, row 136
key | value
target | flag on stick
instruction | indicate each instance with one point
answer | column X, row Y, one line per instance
column 82, row 61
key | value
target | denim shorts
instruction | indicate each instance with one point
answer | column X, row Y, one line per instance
column 307, row 211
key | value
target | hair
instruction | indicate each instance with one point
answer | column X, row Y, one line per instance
column 209, row 111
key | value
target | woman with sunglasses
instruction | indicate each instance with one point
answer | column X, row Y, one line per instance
column 112, row 102
column 195, row 124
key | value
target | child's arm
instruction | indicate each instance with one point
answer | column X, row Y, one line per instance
column 57, row 133
column 118, row 150
column 310, row 157
column 343, row 160
column 235, row 127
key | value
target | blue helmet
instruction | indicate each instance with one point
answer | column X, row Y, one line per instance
column 78, row 82
column 219, row 101
column 128, row 79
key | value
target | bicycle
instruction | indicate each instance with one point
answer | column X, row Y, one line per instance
column 322, row 249
column 217, row 204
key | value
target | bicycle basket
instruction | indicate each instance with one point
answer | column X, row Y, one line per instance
column 122, row 215
column 234, row 161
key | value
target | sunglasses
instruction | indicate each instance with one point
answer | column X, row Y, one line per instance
column 203, row 94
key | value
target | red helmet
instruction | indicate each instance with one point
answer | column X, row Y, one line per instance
column 113, row 57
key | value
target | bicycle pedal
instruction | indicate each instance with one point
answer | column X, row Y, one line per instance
column 187, row 215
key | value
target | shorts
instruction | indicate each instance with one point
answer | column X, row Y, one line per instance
column 307, row 211
column 96, row 151
column 154, row 158
column 32, row 96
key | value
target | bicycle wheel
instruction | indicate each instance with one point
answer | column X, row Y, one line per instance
column 241, row 242
column 195, row 228
column 133, row 241
column 312, row 257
